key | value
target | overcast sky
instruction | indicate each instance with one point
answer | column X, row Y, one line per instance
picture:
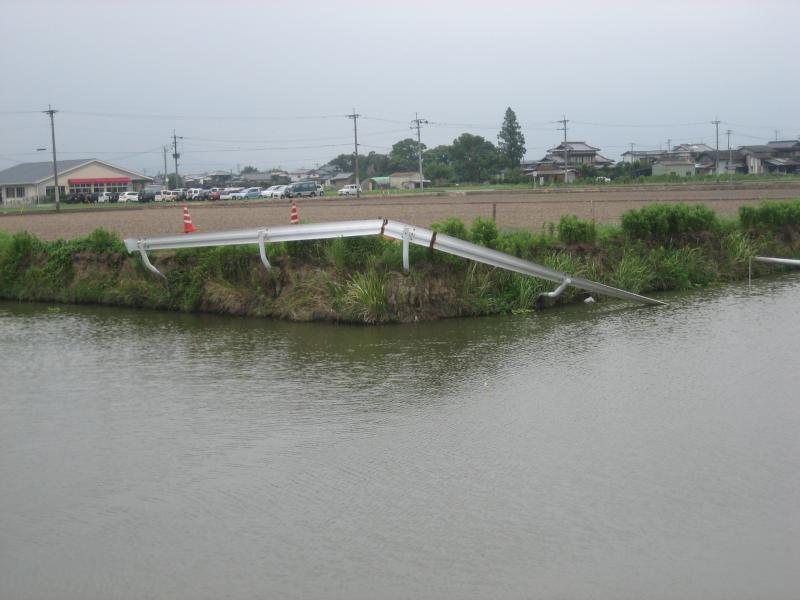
column 269, row 83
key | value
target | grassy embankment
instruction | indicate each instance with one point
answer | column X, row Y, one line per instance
column 660, row 247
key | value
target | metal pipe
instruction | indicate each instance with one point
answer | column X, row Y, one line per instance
column 792, row 262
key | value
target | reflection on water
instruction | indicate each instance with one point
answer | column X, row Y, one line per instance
column 583, row 452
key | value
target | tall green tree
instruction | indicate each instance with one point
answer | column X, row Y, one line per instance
column 248, row 169
column 510, row 140
column 404, row 156
column 474, row 158
column 437, row 164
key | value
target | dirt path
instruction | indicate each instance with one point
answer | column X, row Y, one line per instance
column 511, row 210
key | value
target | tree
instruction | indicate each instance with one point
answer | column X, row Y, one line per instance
column 174, row 183
column 437, row 164
column 376, row 164
column 248, row 169
column 404, row 155
column 343, row 162
column 474, row 158
column 510, row 140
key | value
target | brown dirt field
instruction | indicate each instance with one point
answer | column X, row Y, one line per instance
column 513, row 209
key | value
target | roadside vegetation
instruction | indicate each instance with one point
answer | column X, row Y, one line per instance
column 657, row 248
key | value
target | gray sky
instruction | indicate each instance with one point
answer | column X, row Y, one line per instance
column 269, row 83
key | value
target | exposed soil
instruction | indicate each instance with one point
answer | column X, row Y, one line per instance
column 512, row 209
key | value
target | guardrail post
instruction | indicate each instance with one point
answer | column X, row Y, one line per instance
column 406, row 243
column 261, row 250
column 147, row 262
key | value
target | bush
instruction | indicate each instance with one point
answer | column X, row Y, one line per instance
column 572, row 230
column 453, row 227
column 770, row 215
column 365, row 298
column 523, row 244
column 484, row 232
column 664, row 221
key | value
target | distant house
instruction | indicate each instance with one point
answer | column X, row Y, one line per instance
column 32, row 182
column 376, row 183
column 674, row 166
column 563, row 162
column 340, row 180
column 723, row 163
column 647, row 157
column 406, row 180
column 780, row 157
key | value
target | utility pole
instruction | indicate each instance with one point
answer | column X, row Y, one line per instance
column 419, row 122
column 632, row 145
column 715, row 122
column 355, row 116
column 166, row 181
column 730, row 156
column 777, row 131
column 669, row 145
column 564, row 122
column 52, row 112
column 175, row 155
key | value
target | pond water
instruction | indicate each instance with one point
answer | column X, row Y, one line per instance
column 601, row 451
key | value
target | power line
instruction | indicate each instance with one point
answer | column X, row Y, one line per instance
column 200, row 117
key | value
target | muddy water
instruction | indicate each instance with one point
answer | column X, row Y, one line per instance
column 601, row 451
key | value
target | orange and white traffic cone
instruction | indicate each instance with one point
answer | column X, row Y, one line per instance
column 295, row 218
column 187, row 221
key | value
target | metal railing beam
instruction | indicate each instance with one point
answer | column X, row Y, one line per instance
column 407, row 234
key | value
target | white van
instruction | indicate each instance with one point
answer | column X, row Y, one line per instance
column 166, row 196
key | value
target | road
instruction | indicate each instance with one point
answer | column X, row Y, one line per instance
column 511, row 209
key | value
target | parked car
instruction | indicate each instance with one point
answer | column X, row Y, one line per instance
column 166, row 196
column 602, row 179
column 105, row 197
column 213, row 194
column 226, row 193
column 267, row 193
column 194, row 193
column 301, row 189
column 247, row 194
column 148, row 193
column 320, row 190
column 128, row 197
column 279, row 191
column 351, row 189
column 180, row 193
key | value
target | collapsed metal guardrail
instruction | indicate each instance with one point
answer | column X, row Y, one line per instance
column 408, row 234
column 791, row 262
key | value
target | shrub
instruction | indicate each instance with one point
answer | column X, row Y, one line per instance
column 484, row 232
column 453, row 227
column 365, row 297
column 523, row 244
column 664, row 221
column 770, row 215
column 572, row 230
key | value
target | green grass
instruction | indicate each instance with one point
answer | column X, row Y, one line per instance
column 665, row 247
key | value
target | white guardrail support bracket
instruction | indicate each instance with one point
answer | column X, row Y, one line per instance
column 408, row 235
column 262, row 251
column 560, row 289
column 146, row 260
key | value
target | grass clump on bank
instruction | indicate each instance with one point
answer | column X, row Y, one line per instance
column 659, row 247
